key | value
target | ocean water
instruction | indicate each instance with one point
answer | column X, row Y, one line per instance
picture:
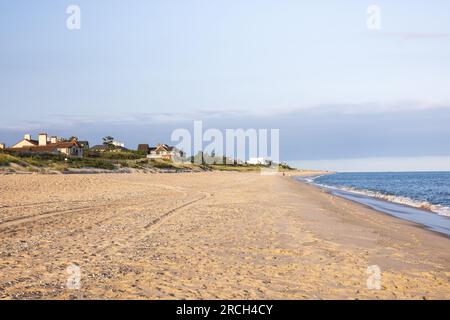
column 421, row 197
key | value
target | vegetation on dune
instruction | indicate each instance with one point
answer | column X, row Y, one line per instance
column 116, row 160
column 105, row 161
column 162, row 164
column 6, row 160
column 54, row 162
column 116, row 155
column 285, row 167
column 248, row 167
column 241, row 168
column 165, row 164
column 80, row 163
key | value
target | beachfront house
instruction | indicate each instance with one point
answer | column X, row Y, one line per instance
column 161, row 151
column 260, row 161
column 52, row 145
column 118, row 144
column 84, row 144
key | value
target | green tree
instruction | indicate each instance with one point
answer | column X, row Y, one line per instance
column 108, row 141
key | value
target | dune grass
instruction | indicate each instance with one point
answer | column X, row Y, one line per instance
column 61, row 163
column 6, row 159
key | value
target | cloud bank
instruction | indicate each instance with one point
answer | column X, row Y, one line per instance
column 315, row 133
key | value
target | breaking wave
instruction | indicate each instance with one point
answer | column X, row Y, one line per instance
column 424, row 205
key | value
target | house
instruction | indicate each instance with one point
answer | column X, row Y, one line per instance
column 84, row 144
column 143, row 147
column 260, row 161
column 161, row 151
column 118, row 144
column 2, row 146
column 26, row 142
column 45, row 145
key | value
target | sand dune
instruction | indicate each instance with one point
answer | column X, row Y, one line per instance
column 206, row 236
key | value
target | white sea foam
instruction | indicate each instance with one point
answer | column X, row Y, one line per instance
column 311, row 179
column 424, row 205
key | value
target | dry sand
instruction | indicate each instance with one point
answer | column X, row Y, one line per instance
column 205, row 236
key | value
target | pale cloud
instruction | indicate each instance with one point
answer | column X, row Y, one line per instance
column 381, row 107
column 311, row 134
column 377, row 164
column 59, row 121
column 417, row 35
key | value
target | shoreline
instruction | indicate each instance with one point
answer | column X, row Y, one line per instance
column 378, row 211
column 428, row 219
column 207, row 235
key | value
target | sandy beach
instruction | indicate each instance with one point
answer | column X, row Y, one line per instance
column 206, row 235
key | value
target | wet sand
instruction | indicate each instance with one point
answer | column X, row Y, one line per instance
column 206, row 236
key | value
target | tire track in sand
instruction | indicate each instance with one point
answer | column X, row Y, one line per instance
column 157, row 222
column 39, row 216
column 35, row 217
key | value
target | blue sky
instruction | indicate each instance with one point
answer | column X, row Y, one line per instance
column 139, row 69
